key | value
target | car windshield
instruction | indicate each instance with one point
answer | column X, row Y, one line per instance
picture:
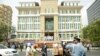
column 3, row 47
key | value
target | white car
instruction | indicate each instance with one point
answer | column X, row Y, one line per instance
column 4, row 51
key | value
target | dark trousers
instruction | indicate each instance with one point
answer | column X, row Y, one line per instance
column 44, row 54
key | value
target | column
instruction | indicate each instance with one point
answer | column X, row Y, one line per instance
column 56, row 28
column 42, row 27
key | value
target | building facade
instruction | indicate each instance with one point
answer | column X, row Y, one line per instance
column 49, row 21
column 93, row 11
column 6, row 14
column 6, row 17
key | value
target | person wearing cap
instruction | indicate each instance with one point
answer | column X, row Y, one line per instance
column 77, row 49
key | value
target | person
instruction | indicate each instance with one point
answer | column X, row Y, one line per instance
column 13, row 45
column 55, row 49
column 35, row 51
column 9, row 45
column 28, row 51
column 66, row 51
column 44, row 50
column 88, row 46
column 21, row 46
column 77, row 49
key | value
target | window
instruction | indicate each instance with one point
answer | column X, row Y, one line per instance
column 68, row 25
column 64, row 4
column 26, row 35
column 63, row 11
column 18, row 36
column 31, row 4
column 68, row 37
column 76, row 4
column 71, row 4
column 78, row 12
column 30, row 36
column 60, row 11
column 63, row 36
column 60, row 26
column 19, row 26
column 59, row 19
column 38, row 35
column 68, row 4
column 27, row 23
column 22, row 35
column 75, row 11
column 27, row 4
column 67, row 22
column 22, row 4
column 49, row 10
column 75, row 25
column 72, row 25
column 79, row 26
column 64, row 26
column 62, row 19
column 78, row 19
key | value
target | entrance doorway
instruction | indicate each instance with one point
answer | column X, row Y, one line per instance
column 49, row 28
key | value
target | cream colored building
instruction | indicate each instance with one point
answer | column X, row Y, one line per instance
column 6, row 14
column 49, row 21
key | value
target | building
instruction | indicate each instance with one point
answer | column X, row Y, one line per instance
column 6, row 16
column 49, row 21
column 13, row 32
column 93, row 11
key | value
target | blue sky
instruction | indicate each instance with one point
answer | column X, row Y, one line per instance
column 13, row 3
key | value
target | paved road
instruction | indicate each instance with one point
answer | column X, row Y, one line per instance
column 23, row 53
column 93, row 53
column 89, row 53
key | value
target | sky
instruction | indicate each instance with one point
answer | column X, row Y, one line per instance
column 14, row 3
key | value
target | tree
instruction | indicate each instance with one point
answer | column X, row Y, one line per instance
column 4, row 29
column 92, row 31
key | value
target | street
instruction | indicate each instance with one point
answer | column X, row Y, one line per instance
column 89, row 53
column 93, row 53
column 23, row 53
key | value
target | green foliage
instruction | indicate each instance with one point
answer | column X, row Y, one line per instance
column 3, row 30
column 92, row 31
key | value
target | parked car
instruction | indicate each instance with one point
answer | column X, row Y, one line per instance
column 4, row 51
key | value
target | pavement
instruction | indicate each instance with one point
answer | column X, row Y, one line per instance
column 95, row 48
column 23, row 53
column 93, row 52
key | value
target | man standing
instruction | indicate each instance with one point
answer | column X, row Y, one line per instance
column 64, row 49
column 44, row 50
column 77, row 48
column 21, row 46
